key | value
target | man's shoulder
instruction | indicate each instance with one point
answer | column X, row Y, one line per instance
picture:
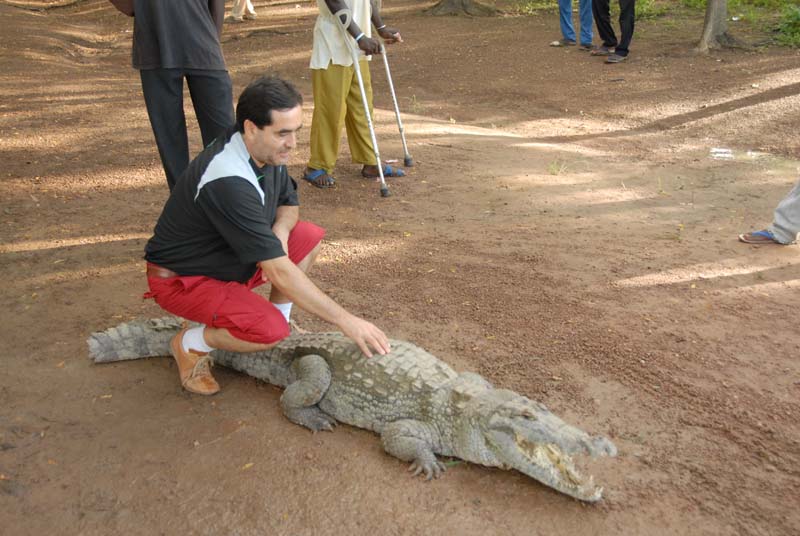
column 226, row 158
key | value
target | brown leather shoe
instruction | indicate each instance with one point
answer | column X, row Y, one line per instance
column 193, row 367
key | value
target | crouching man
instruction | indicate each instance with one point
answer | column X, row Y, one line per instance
column 231, row 224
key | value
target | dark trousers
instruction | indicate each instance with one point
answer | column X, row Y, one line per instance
column 602, row 18
column 212, row 98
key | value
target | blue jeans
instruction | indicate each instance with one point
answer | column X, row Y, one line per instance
column 786, row 224
column 585, row 15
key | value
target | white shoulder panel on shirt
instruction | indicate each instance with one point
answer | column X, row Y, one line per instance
column 232, row 161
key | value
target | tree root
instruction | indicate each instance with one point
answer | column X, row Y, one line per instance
column 724, row 40
column 461, row 7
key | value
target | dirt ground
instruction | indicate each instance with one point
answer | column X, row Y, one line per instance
column 565, row 233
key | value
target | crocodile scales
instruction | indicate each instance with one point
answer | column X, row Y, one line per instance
column 418, row 404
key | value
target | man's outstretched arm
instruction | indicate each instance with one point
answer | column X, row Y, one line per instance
column 292, row 282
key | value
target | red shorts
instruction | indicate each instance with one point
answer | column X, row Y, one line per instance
column 230, row 304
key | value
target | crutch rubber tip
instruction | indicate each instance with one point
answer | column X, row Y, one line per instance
column 408, row 161
column 385, row 192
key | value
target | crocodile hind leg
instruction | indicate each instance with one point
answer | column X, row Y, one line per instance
column 299, row 400
column 414, row 441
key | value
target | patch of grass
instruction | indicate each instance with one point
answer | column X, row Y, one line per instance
column 645, row 9
column 556, row 167
column 415, row 105
column 734, row 5
column 781, row 17
column 650, row 9
column 532, row 7
column 789, row 27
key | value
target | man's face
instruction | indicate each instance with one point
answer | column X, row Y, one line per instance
column 273, row 144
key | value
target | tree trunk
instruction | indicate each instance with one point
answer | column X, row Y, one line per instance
column 715, row 27
column 461, row 7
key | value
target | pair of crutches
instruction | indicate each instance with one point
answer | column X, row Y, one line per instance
column 344, row 17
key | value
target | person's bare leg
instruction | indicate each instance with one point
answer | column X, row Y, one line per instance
column 275, row 295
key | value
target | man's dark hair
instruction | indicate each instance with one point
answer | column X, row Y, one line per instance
column 263, row 95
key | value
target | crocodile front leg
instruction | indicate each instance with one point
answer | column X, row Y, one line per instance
column 299, row 400
column 414, row 441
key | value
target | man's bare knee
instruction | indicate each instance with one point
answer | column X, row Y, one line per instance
column 309, row 259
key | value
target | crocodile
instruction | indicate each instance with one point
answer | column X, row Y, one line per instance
column 418, row 404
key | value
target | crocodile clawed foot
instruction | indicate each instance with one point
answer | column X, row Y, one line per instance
column 433, row 469
column 312, row 418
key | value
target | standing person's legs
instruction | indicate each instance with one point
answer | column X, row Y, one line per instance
column 242, row 7
column 627, row 16
column 163, row 96
column 358, row 135
column 237, row 11
column 786, row 223
column 330, row 87
column 585, row 16
column 601, row 10
column 212, row 98
column 565, row 19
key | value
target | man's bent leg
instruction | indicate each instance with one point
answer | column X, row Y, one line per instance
column 305, row 241
column 237, row 319
column 221, row 338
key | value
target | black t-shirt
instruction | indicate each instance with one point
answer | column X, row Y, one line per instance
column 218, row 219
column 175, row 34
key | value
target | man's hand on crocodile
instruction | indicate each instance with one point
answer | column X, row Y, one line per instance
column 366, row 335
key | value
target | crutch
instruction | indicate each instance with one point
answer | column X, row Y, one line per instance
column 354, row 53
column 407, row 160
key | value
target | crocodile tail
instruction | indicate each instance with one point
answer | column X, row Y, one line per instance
column 134, row 340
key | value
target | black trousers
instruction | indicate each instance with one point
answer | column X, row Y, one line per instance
column 212, row 98
column 602, row 19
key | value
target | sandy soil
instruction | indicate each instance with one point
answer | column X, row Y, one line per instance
column 565, row 233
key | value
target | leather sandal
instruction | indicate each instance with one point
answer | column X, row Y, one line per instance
column 194, row 368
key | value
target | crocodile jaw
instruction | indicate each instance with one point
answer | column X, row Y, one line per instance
column 546, row 463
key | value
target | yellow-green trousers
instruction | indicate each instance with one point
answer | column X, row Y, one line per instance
column 337, row 101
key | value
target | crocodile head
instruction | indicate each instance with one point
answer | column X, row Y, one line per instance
column 513, row 432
